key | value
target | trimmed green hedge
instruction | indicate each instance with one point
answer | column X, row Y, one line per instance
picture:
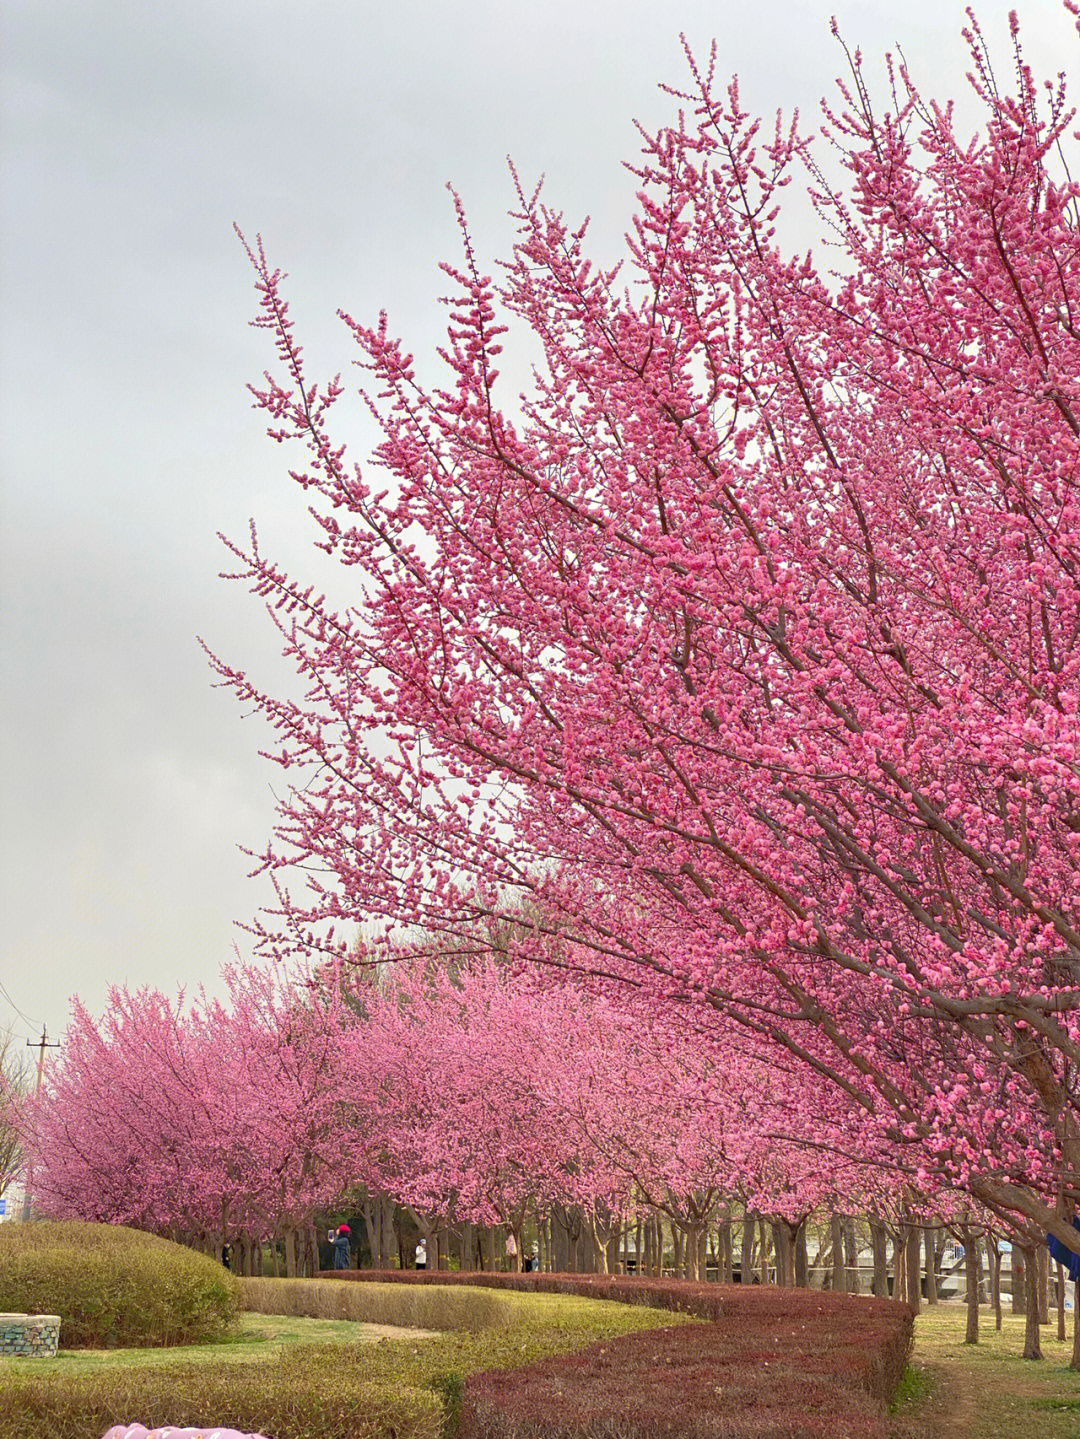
column 314, row 1400
column 114, row 1287
column 417, row 1307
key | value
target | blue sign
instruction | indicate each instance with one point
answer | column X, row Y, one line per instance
column 3, row 1206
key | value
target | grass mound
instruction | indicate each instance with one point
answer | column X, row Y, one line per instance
column 114, row 1287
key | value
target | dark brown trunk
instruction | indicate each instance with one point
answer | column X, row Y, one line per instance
column 839, row 1276
column 913, row 1251
column 1019, row 1280
column 802, row 1259
column 1043, row 1263
column 784, row 1240
column 931, row 1266
column 746, row 1259
column 1032, row 1346
column 879, row 1245
column 851, row 1257
column 971, row 1274
column 1059, row 1300
column 1074, row 1363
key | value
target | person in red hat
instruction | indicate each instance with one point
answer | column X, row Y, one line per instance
column 342, row 1243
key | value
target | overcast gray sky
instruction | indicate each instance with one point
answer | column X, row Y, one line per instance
column 135, row 134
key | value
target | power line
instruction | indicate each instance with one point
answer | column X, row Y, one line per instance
column 20, row 1012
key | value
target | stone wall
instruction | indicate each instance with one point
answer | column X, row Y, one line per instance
column 29, row 1336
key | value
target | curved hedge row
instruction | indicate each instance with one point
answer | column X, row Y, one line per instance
column 770, row 1364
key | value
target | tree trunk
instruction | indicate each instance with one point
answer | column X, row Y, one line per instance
column 387, row 1232
column 993, row 1258
column 1044, row 1284
column 746, row 1259
column 802, row 1259
column 839, row 1274
column 971, row 1271
column 290, row 1251
column 766, row 1268
column 879, row 1243
column 1074, row 1363
column 1032, row 1346
column 1059, row 1299
column 1019, row 1281
column 899, row 1269
column 913, row 1253
column 931, row 1266
column 851, row 1257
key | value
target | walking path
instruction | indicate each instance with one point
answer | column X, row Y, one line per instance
column 959, row 1391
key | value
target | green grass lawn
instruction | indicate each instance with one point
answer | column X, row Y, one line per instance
column 986, row 1391
column 259, row 1337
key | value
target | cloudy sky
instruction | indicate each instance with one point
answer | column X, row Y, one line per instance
column 135, row 135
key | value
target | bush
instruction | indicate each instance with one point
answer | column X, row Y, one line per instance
column 770, row 1364
column 317, row 1403
column 430, row 1307
column 114, row 1287
column 680, row 1296
column 731, row 1378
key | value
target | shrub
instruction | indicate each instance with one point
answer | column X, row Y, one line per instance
column 114, row 1287
column 770, row 1364
column 430, row 1307
column 318, row 1403
column 702, row 1380
column 681, row 1296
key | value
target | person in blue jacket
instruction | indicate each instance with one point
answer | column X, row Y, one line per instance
column 1069, row 1261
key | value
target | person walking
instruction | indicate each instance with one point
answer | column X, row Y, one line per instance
column 342, row 1249
column 421, row 1254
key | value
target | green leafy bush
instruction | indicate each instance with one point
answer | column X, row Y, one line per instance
column 114, row 1287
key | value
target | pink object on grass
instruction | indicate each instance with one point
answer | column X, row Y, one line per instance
column 139, row 1431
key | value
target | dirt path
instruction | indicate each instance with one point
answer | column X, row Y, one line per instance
column 987, row 1391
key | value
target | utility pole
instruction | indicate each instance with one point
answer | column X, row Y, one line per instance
column 41, row 1045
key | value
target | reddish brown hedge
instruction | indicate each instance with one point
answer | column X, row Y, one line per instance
column 771, row 1364
column 705, row 1300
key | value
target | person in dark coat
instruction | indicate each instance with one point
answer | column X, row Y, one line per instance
column 342, row 1240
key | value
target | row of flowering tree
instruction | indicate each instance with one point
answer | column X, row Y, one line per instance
column 735, row 665
column 473, row 1098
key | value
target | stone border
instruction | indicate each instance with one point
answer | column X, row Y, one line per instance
column 29, row 1336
